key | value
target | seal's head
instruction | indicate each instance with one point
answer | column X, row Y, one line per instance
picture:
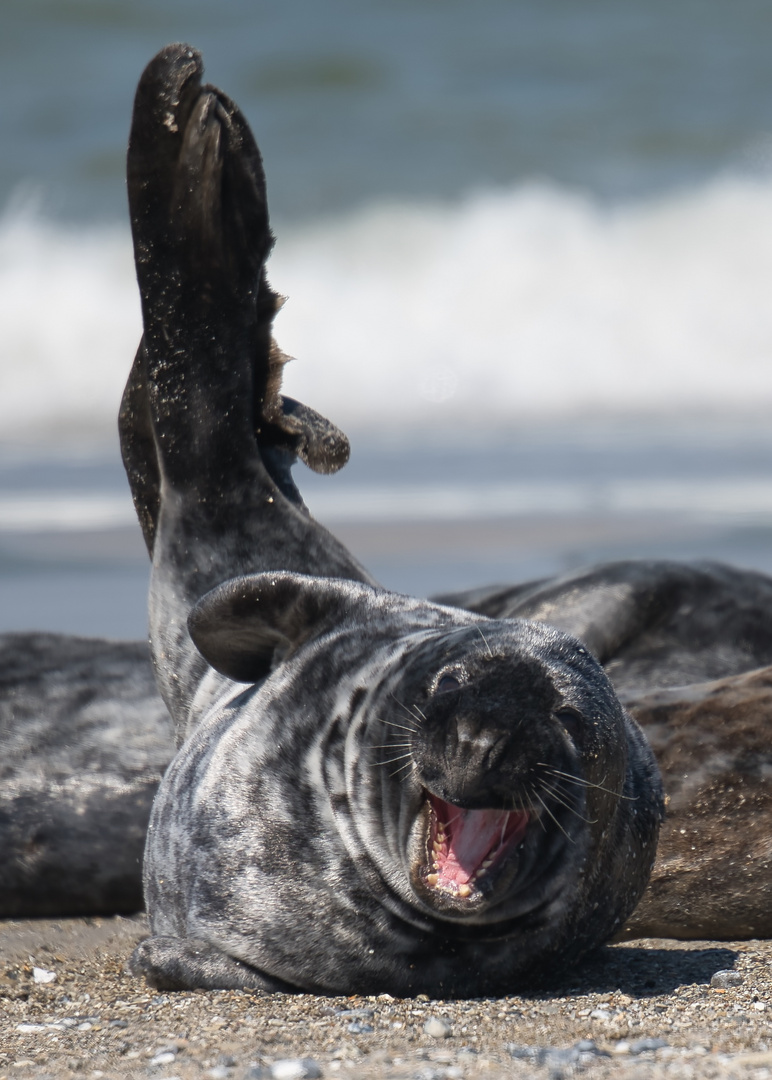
column 505, row 770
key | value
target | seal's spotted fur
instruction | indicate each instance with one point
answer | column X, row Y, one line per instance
column 407, row 797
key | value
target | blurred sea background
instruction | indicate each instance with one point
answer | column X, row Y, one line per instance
column 527, row 246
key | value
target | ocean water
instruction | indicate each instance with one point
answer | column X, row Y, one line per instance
column 527, row 249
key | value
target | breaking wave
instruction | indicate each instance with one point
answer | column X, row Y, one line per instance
column 532, row 303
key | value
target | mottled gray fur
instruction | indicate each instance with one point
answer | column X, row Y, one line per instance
column 84, row 741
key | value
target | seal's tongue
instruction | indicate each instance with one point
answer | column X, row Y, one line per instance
column 466, row 843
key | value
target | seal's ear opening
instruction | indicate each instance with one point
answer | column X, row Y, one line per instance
column 247, row 625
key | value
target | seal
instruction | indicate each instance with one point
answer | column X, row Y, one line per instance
column 84, row 741
column 371, row 792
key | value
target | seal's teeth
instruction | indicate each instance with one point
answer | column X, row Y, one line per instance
column 464, row 890
column 432, row 879
column 486, row 863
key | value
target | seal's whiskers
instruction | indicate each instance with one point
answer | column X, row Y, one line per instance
column 552, row 791
column 417, row 720
column 548, row 811
column 580, row 782
column 408, row 765
column 399, row 757
column 485, row 641
column 400, row 727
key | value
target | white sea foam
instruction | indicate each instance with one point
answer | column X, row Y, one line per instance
column 69, row 326
column 731, row 500
column 534, row 302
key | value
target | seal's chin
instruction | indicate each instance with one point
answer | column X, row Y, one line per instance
column 464, row 849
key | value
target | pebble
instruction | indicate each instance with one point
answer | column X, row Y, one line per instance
column 726, row 979
column 355, row 1014
column 164, row 1057
column 357, row 1028
column 555, row 1057
column 553, row 1040
column 40, row 975
column 643, row 1046
column 438, row 1027
column 295, row 1069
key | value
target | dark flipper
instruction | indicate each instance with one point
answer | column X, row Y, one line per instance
column 650, row 623
column 605, row 607
column 213, row 487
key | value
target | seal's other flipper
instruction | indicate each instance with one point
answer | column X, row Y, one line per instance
column 170, row 963
column 309, row 436
column 245, row 625
column 318, row 443
column 605, row 607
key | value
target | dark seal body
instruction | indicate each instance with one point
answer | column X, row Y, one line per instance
column 406, row 796
column 84, row 742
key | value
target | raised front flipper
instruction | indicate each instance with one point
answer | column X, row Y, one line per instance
column 215, row 498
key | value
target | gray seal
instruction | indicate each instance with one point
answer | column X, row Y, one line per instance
column 371, row 792
column 84, row 742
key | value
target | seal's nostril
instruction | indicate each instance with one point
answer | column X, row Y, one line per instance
column 477, row 740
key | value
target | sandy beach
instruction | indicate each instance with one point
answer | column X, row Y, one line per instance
column 639, row 1009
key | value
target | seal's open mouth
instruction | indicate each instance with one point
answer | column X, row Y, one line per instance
column 465, row 845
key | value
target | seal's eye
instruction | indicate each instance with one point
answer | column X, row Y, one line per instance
column 571, row 719
column 447, row 682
